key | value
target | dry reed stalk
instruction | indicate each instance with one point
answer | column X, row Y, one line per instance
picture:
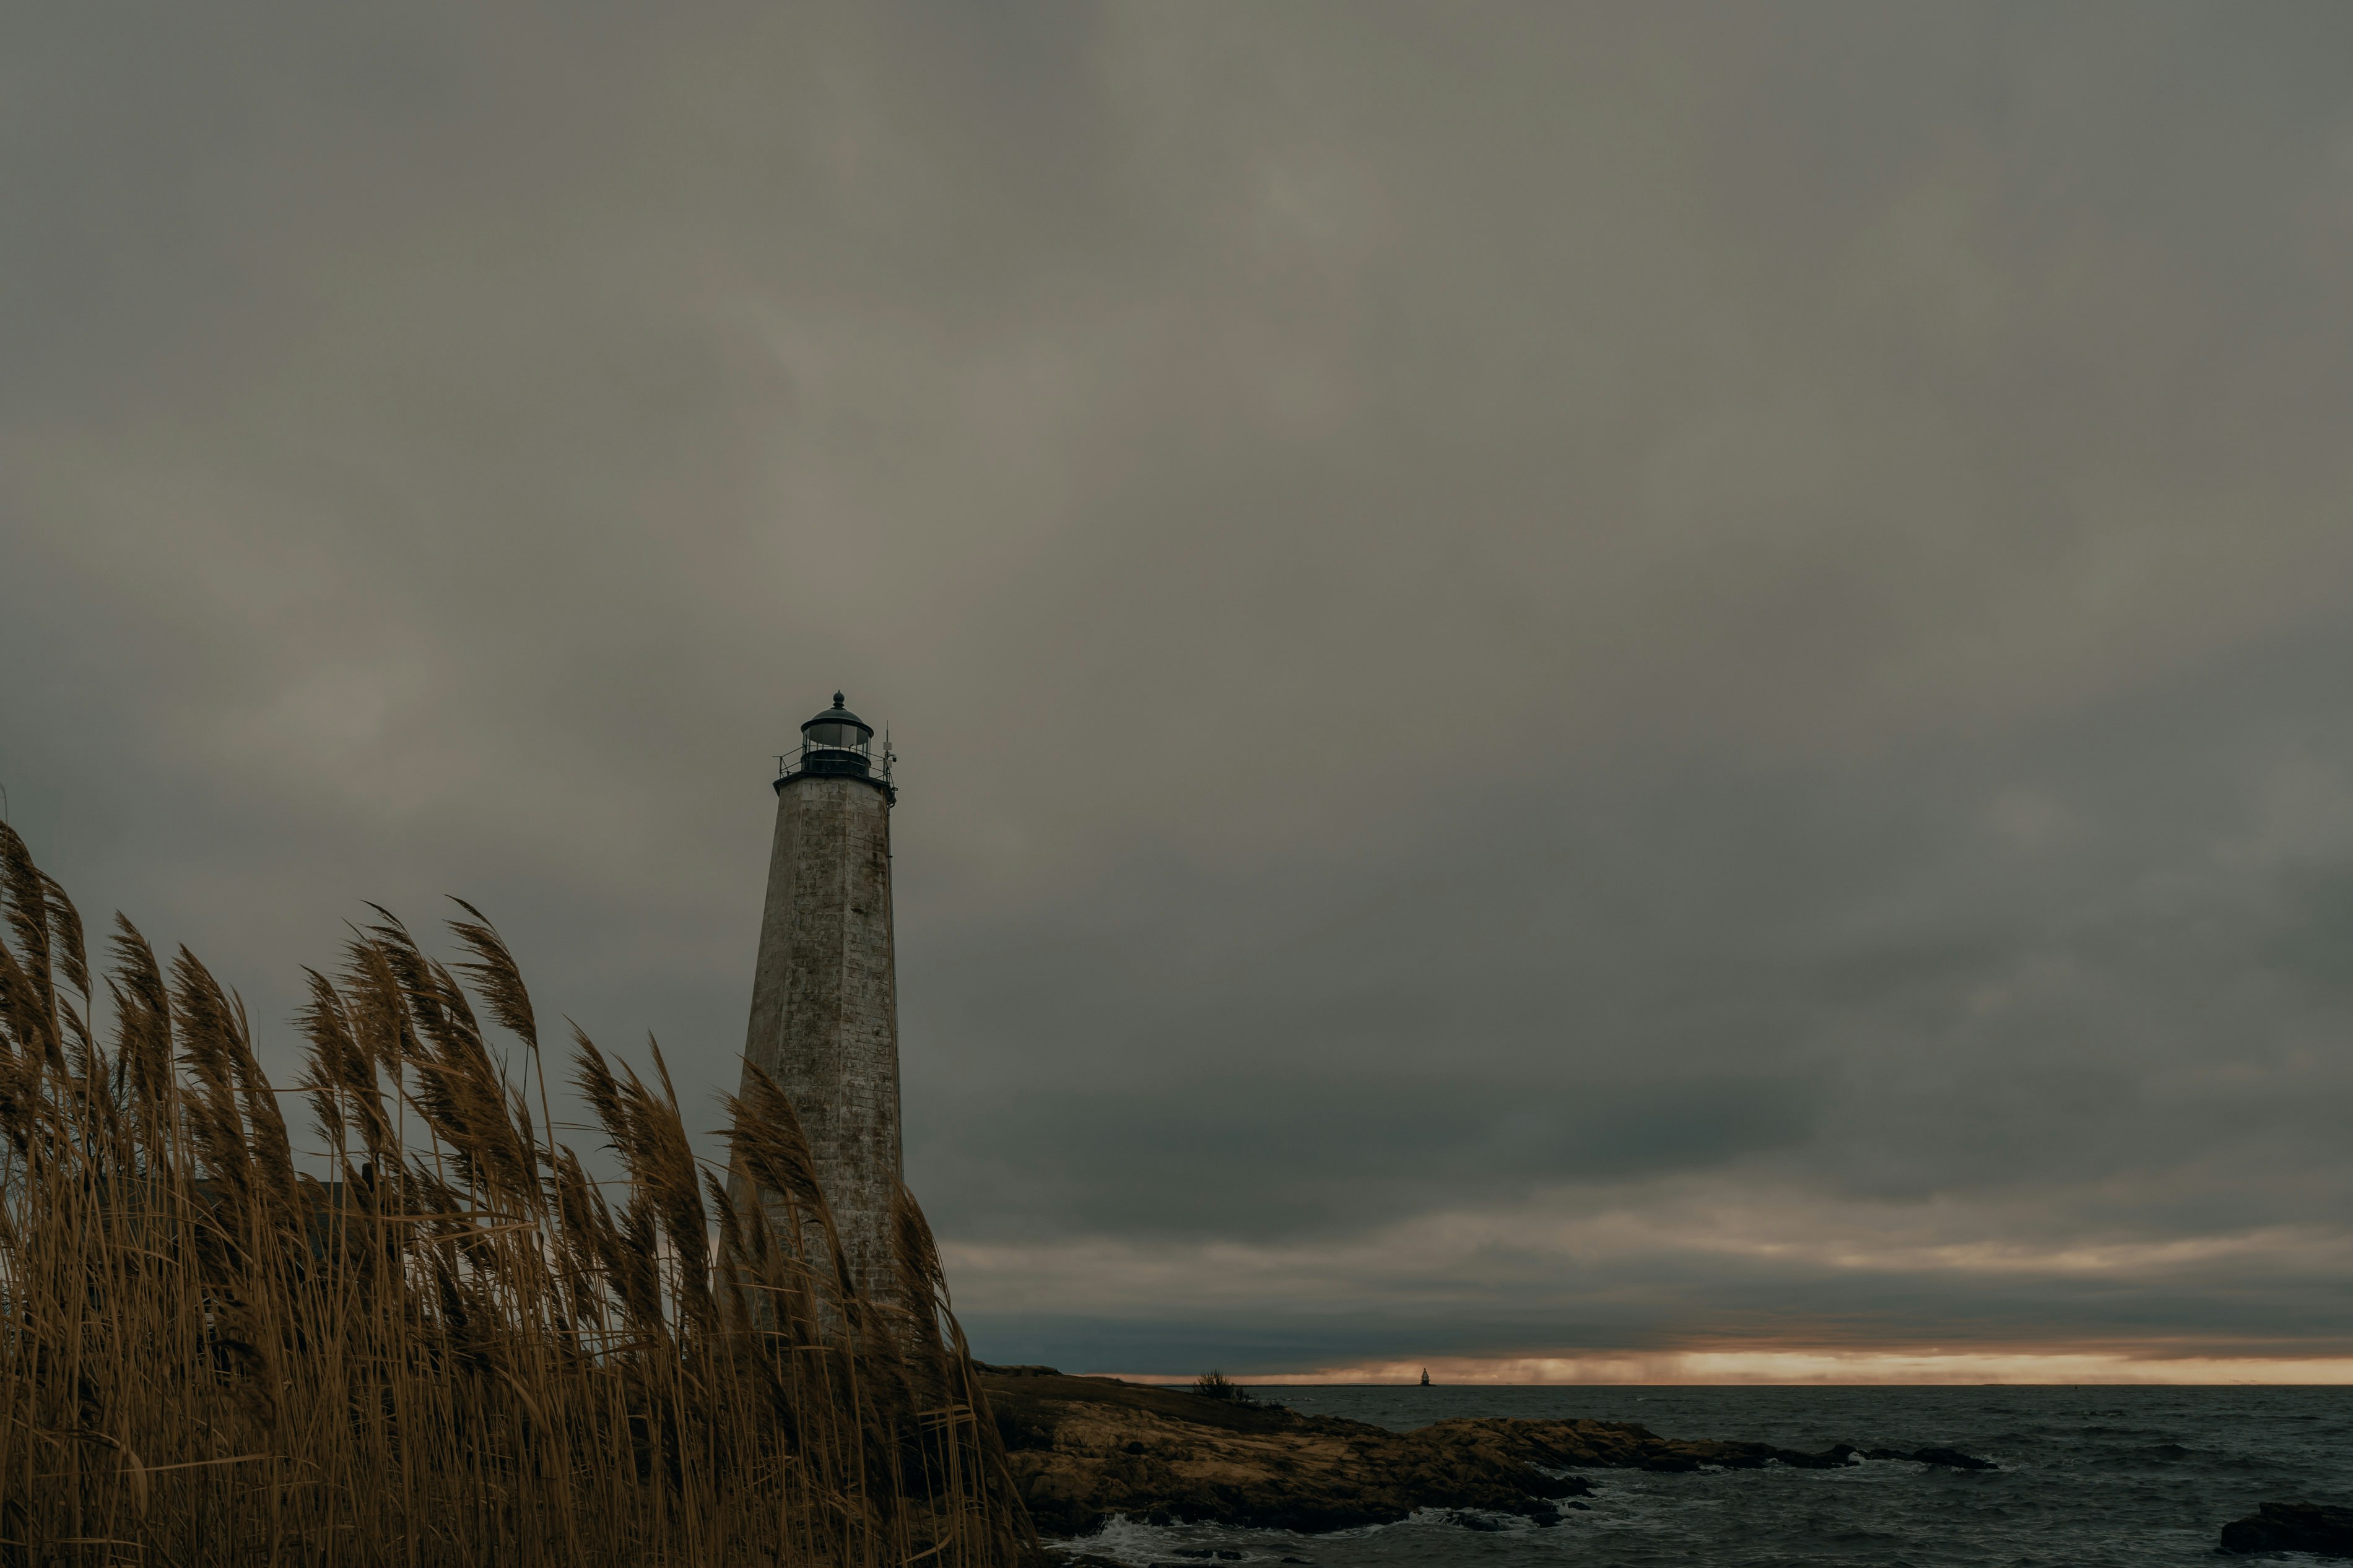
column 454, row 1349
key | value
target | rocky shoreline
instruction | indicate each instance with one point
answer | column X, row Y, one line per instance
column 2314, row 1528
column 1084, row 1449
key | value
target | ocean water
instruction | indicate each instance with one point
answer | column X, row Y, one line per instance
column 2139, row 1478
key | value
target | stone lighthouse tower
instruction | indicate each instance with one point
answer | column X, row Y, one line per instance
column 825, row 1000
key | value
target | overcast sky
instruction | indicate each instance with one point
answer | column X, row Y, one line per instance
column 1578, row 685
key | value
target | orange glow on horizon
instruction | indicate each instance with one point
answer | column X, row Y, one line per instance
column 1827, row 1367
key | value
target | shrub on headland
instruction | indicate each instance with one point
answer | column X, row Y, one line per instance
column 1214, row 1384
column 454, row 1348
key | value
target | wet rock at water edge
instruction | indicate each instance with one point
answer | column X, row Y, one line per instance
column 1951, row 1459
column 2293, row 1527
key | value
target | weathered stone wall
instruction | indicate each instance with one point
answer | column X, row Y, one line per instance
column 825, row 1000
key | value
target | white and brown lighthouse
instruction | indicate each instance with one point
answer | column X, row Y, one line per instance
column 825, row 1001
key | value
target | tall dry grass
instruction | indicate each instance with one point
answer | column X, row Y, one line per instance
column 457, row 1348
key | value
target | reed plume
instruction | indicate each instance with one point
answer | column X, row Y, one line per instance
column 436, row 1338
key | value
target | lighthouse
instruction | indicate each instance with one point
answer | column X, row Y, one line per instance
column 825, row 1001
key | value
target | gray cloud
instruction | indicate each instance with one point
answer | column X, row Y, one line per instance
column 1493, row 617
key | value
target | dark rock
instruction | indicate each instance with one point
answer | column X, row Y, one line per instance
column 1953, row 1459
column 1204, row 1551
column 2293, row 1527
column 1833, row 1459
column 1019, row 1434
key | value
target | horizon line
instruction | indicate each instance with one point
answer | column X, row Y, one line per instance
column 1709, row 1369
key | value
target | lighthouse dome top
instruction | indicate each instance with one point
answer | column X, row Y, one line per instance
column 837, row 744
column 837, row 726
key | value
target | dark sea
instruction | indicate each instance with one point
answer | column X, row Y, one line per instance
column 2139, row 1478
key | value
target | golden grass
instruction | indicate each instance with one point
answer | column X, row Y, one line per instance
column 457, row 1348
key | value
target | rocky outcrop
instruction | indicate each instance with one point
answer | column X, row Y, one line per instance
column 1082, row 1449
column 2293, row 1527
column 1085, row 1448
